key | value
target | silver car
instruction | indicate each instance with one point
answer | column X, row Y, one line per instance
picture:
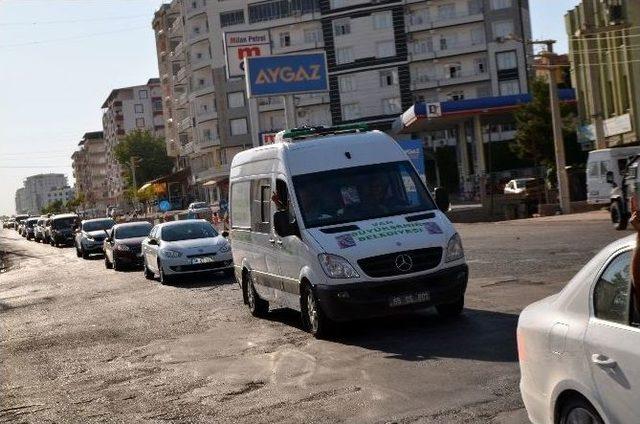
column 184, row 247
column 90, row 236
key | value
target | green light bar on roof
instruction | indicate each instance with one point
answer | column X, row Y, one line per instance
column 311, row 131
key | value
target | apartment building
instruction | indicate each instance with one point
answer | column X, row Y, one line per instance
column 90, row 170
column 604, row 51
column 382, row 57
column 125, row 110
column 63, row 194
column 21, row 201
column 36, row 191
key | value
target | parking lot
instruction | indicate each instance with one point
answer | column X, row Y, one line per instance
column 81, row 343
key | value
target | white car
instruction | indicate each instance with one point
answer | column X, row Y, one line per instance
column 517, row 186
column 579, row 350
column 183, row 247
column 199, row 207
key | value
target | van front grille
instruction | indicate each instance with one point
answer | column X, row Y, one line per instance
column 400, row 263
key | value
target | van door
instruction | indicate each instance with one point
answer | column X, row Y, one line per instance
column 598, row 189
column 264, row 251
column 289, row 253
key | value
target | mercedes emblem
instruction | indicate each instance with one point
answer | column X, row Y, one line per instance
column 404, row 262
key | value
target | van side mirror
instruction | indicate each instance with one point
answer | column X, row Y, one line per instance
column 282, row 225
column 153, row 242
column 225, row 234
column 610, row 177
column 442, row 199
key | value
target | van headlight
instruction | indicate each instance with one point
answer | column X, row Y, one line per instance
column 454, row 249
column 336, row 266
column 171, row 254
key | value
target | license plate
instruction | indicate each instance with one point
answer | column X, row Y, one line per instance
column 203, row 260
column 408, row 299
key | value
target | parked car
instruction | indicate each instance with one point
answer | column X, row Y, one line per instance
column 29, row 228
column 199, row 207
column 47, row 230
column 578, row 350
column 183, row 247
column 39, row 230
column 62, row 229
column 90, row 235
column 123, row 245
column 354, row 234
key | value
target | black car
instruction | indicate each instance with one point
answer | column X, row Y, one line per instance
column 63, row 229
column 122, row 247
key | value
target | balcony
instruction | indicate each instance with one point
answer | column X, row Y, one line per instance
column 422, row 82
column 418, row 22
column 199, row 90
column 182, row 72
column 266, row 104
column 313, row 99
column 196, row 37
column 206, row 116
column 185, row 123
column 176, row 29
column 201, row 63
column 187, row 148
column 118, row 117
column 297, row 47
column 182, row 100
column 195, row 11
column 445, row 50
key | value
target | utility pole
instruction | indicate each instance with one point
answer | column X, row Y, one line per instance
column 134, row 161
column 558, row 139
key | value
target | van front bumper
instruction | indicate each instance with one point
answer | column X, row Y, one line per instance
column 344, row 302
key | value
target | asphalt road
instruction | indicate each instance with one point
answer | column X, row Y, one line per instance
column 80, row 343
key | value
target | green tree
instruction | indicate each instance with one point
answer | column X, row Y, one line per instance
column 57, row 206
column 534, row 135
column 151, row 151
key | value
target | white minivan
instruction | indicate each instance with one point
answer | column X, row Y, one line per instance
column 336, row 223
column 601, row 162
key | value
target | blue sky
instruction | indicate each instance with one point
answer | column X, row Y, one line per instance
column 61, row 58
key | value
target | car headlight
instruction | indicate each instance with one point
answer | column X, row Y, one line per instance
column 90, row 238
column 171, row 254
column 122, row 247
column 454, row 249
column 336, row 266
column 225, row 248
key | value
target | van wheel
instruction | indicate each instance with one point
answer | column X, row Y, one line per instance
column 148, row 274
column 451, row 310
column 164, row 279
column 577, row 410
column 257, row 306
column 84, row 254
column 314, row 320
column 107, row 264
column 618, row 218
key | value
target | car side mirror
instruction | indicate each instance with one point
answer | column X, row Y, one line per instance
column 610, row 177
column 442, row 199
column 283, row 226
column 225, row 234
column 153, row 242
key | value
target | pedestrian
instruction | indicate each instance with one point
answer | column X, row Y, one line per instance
column 635, row 262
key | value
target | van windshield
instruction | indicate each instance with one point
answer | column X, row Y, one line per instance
column 360, row 193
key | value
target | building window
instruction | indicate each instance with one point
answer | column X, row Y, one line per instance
column 447, row 11
column 138, row 108
column 346, row 83
column 502, row 29
column 312, row 35
column 278, row 9
column 382, row 20
column 233, row 17
column 341, row 27
column 143, row 94
column 386, row 48
column 475, row 7
column 423, row 46
column 453, row 70
column 388, row 77
column 238, row 126
column 157, row 105
column 510, row 87
column 477, row 36
column 285, row 39
column 456, row 96
column 140, row 122
column 207, row 135
column 235, row 99
column 391, row 106
column 344, row 55
column 500, row 4
column 419, row 17
column 351, row 111
column 448, row 41
column 480, row 65
column 507, row 60
column 337, row 4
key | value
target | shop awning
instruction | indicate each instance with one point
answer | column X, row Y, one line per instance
column 144, row 187
column 210, row 183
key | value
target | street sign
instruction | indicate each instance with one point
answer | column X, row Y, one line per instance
column 286, row 74
column 434, row 110
column 238, row 45
column 415, row 150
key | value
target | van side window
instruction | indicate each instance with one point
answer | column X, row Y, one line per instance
column 261, row 205
column 593, row 169
column 603, row 168
column 241, row 204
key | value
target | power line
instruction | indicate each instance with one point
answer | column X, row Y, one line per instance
column 78, row 37
column 72, row 21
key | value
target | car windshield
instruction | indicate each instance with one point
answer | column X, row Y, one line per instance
column 103, row 224
column 522, row 183
column 198, row 205
column 360, row 193
column 188, row 231
column 63, row 223
column 31, row 223
column 133, row 231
